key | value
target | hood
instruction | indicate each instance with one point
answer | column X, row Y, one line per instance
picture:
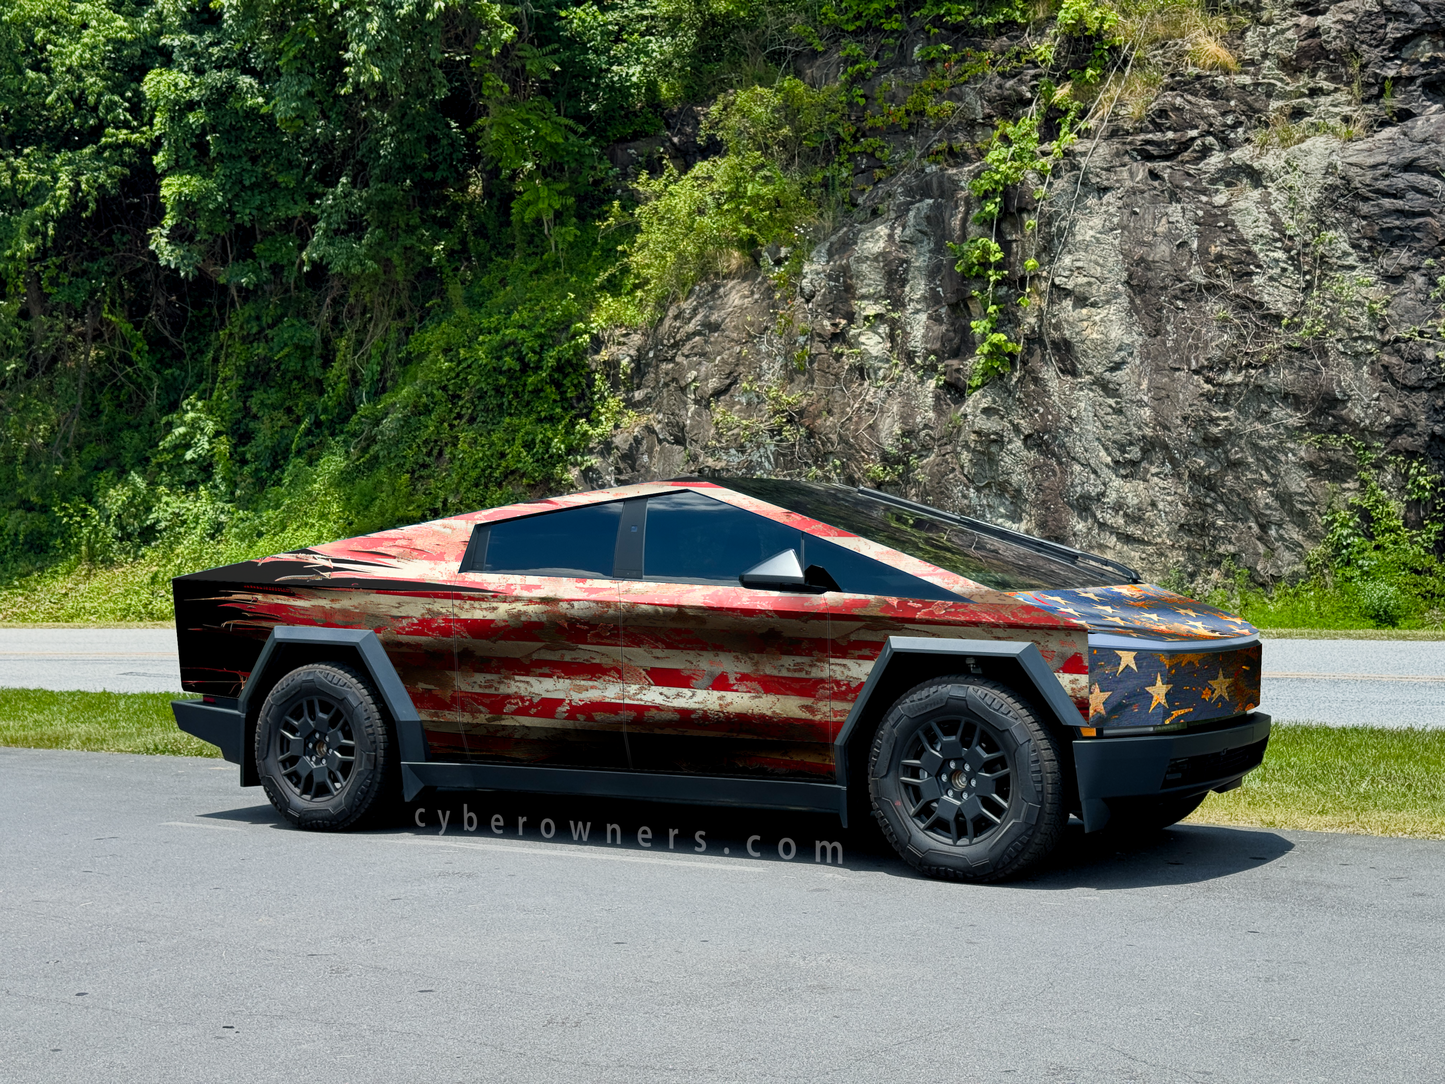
column 1143, row 611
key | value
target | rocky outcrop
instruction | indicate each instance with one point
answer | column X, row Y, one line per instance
column 1229, row 285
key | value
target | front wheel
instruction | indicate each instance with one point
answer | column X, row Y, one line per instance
column 965, row 780
column 323, row 751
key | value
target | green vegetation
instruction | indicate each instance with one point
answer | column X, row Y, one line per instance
column 1342, row 779
column 1378, row 567
column 279, row 271
column 97, row 722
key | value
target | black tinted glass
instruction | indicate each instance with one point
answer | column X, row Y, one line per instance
column 859, row 575
column 573, row 542
column 696, row 539
column 993, row 561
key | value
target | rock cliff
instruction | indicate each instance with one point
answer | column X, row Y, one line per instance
column 1233, row 284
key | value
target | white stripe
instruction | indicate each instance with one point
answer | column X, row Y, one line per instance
column 192, row 824
column 729, row 702
column 540, row 687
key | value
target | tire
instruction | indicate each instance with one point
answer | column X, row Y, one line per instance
column 332, row 710
column 1144, row 816
column 1008, row 807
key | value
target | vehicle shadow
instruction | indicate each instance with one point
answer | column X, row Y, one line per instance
column 1104, row 861
column 263, row 813
column 1179, row 855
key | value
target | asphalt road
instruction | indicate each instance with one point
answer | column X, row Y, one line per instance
column 1394, row 683
column 1341, row 682
column 92, row 660
column 159, row 925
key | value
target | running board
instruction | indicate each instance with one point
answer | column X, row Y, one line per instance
column 645, row 786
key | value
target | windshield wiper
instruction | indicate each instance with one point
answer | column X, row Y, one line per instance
column 1055, row 550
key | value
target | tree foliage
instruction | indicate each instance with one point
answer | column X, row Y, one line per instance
column 272, row 268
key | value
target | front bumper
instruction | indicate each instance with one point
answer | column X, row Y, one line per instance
column 1166, row 765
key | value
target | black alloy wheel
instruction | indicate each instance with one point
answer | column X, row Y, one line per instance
column 965, row 780
column 323, row 750
column 957, row 778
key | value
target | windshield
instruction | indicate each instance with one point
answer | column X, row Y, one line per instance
column 992, row 556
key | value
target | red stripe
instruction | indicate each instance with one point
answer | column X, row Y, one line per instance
column 534, row 667
column 544, row 708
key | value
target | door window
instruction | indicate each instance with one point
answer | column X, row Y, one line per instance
column 692, row 538
column 575, row 542
column 859, row 575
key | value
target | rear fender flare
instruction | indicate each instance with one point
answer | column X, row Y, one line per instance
column 290, row 646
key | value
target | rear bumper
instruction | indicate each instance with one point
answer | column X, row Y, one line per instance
column 221, row 724
column 1166, row 765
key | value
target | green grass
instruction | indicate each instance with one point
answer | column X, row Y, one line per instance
column 96, row 722
column 1342, row 779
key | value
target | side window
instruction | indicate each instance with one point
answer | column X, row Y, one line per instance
column 692, row 538
column 859, row 575
column 578, row 542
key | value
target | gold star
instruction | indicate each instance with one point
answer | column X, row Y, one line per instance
column 1126, row 660
column 1096, row 701
column 1092, row 595
column 1219, row 686
column 1157, row 691
column 1191, row 613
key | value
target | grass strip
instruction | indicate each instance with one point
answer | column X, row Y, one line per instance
column 96, row 722
column 1363, row 780
column 1353, row 634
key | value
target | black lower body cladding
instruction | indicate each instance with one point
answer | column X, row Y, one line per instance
column 1166, row 765
column 966, row 781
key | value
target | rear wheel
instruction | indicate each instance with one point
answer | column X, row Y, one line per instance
column 965, row 780
column 323, row 751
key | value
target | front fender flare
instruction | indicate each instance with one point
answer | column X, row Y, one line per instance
column 1024, row 654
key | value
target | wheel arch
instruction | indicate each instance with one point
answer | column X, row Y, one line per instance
column 290, row 646
column 908, row 660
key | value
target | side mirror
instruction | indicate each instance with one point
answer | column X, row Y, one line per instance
column 780, row 572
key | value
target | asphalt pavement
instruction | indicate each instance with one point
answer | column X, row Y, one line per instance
column 1340, row 682
column 91, row 660
column 160, row 924
column 1391, row 683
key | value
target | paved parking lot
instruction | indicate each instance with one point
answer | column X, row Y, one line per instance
column 159, row 924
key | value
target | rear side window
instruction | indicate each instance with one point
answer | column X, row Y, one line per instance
column 576, row 542
column 692, row 538
column 859, row 575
